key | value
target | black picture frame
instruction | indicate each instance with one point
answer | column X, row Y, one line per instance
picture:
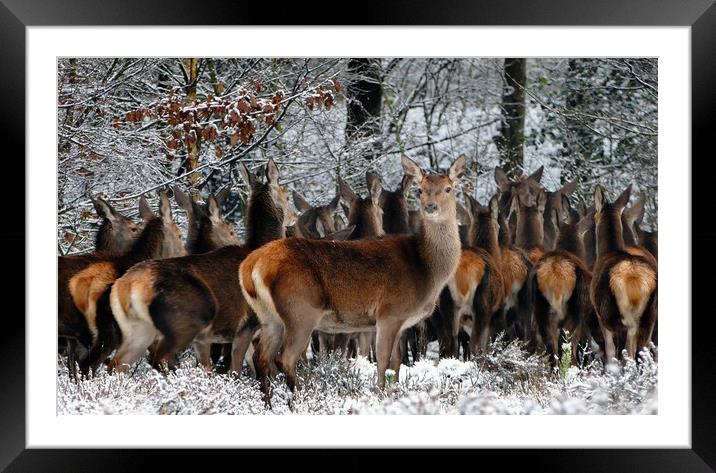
column 700, row 15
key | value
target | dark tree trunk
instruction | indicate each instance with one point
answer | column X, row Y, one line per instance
column 364, row 94
column 512, row 139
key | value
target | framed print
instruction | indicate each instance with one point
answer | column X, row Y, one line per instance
column 323, row 233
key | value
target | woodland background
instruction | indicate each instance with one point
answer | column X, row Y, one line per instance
column 131, row 125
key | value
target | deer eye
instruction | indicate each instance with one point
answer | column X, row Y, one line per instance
column 420, row 191
column 134, row 229
column 448, row 189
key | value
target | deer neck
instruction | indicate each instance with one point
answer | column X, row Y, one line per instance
column 568, row 240
column 529, row 232
column 503, row 234
column 264, row 222
column 483, row 237
column 439, row 247
column 148, row 245
column 609, row 234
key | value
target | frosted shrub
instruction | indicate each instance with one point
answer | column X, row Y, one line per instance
column 505, row 379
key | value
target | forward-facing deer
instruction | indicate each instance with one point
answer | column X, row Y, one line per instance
column 115, row 236
column 477, row 288
column 560, row 285
column 197, row 298
column 624, row 285
column 529, row 229
column 89, row 288
column 296, row 286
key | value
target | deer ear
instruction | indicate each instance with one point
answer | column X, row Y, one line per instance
column 638, row 208
column 599, row 198
column 300, row 202
column 222, row 195
column 347, row 193
column 537, row 175
column 412, row 169
column 213, row 208
column 623, row 198
column 272, row 172
column 333, row 205
column 566, row 206
column 494, row 208
column 320, row 229
column 503, row 183
column 346, row 210
column 144, row 210
column 463, row 212
column 342, row 234
column 569, row 187
column 584, row 224
column 541, row 201
column 375, row 188
column 248, row 177
column 554, row 218
column 183, row 200
column 165, row 208
column 104, row 209
column 457, row 168
column 514, row 206
column 405, row 184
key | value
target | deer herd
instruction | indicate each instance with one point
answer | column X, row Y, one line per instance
column 527, row 264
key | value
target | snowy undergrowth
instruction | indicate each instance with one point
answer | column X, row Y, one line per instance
column 505, row 380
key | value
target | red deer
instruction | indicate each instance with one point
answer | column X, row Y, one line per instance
column 196, row 298
column 554, row 201
column 315, row 222
column 89, row 288
column 624, row 285
column 296, row 286
column 396, row 221
column 526, row 187
column 477, row 288
column 115, row 236
column 207, row 230
column 516, row 317
column 634, row 235
column 560, row 286
column 529, row 227
column 366, row 216
column 365, row 213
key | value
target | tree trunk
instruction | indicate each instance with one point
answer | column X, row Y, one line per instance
column 511, row 142
column 192, row 161
column 364, row 94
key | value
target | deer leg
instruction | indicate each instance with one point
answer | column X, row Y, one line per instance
column 72, row 358
column 239, row 347
column 297, row 335
column 202, row 350
column 271, row 334
column 397, row 355
column 133, row 346
column 386, row 332
column 631, row 341
column 609, row 348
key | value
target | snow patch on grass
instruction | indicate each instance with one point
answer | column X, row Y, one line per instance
column 504, row 380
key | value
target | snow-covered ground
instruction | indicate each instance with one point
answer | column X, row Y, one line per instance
column 506, row 380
